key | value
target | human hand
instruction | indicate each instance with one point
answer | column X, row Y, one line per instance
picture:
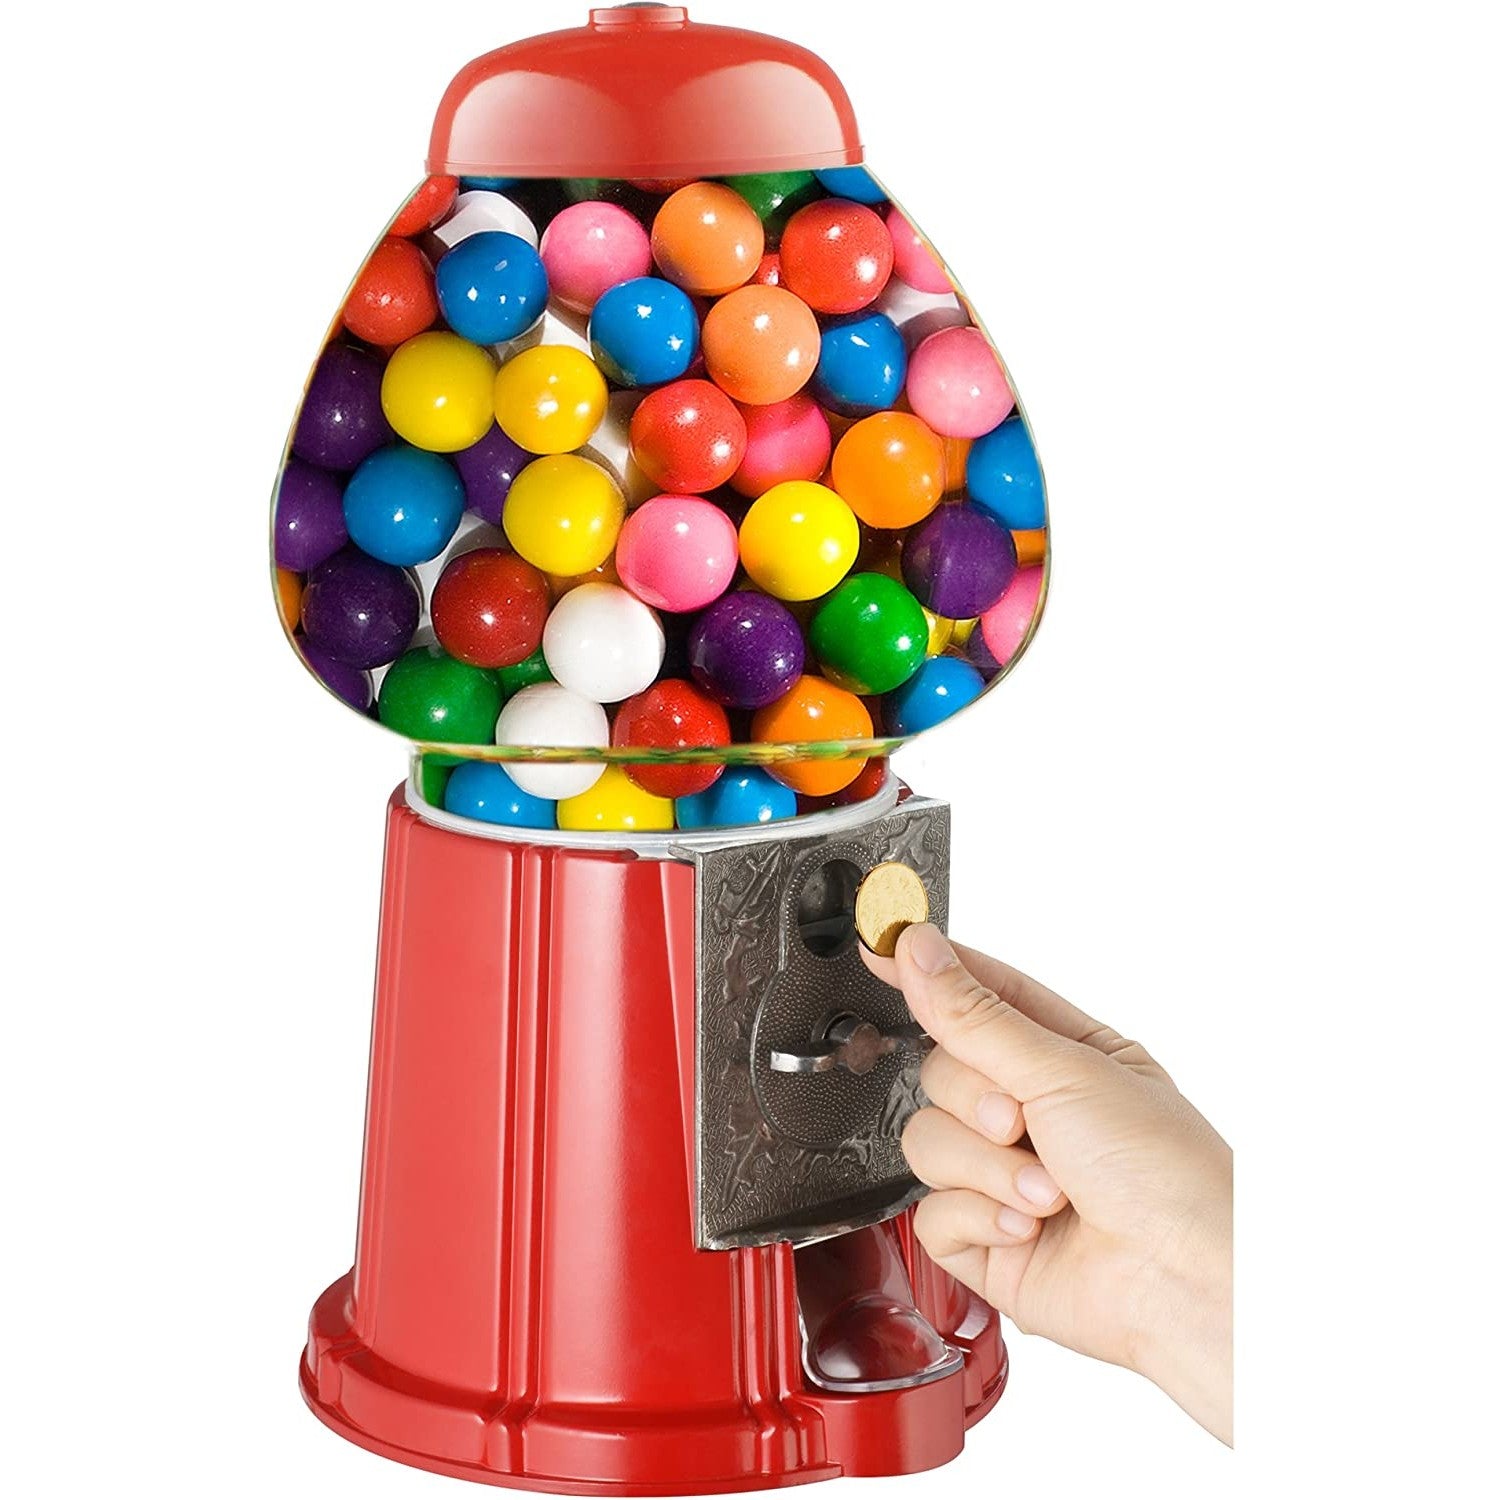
column 1074, row 1188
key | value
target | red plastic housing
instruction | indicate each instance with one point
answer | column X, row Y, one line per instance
column 643, row 92
column 527, row 1304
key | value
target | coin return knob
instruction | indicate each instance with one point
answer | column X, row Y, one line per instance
column 850, row 1043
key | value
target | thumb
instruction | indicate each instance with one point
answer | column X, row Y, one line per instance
column 979, row 1027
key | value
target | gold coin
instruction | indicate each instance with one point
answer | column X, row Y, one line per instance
column 890, row 898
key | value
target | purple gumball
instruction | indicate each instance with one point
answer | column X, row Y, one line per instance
column 958, row 561
column 341, row 423
column 360, row 611
column 487, row 470
column 309, row 517
column 352, row 684
column 746, row 650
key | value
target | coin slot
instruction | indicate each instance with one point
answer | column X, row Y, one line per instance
column 825, row 908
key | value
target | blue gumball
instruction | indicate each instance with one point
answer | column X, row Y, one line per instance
column 403, row 505
column 1005, row 478
column 491, row 287
column 741, row 795
column 486, row 184
column 861, row 365
column 644, row 332
column 484, row 791
column 853, row 183
column 942, row 685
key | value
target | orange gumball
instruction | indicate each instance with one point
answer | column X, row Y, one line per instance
column 563, row 583
column 707, row 239
column 889, row 470
column 760, row 344
column 814, row 712
column 956, row 456
column 289, row 597
column 1031, row 547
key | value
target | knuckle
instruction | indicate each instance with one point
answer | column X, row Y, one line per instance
column 916, row 1139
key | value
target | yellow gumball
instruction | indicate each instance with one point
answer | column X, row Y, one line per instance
column 563, row 514
column 939, row 633
column 550, row 399
column 613, row 802
column 963, row 630
column 438, row 392
column 798, row 540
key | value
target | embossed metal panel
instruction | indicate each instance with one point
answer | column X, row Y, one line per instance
column 797, row 1156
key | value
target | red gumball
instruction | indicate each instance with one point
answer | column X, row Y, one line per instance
column 489, row 607
column 394, row 299
column 426, row 206
column 671, row 715
column 687, row 437
column 768, row 272
column 836, row 255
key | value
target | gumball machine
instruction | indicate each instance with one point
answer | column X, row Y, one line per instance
column 656, row 482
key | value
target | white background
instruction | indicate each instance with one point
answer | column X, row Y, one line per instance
column 1238, row 800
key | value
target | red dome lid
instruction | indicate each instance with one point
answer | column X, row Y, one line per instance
column 642, row 91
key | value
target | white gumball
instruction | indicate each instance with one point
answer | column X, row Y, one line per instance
column 546, row 713
column 479, row 210
column 603, row 643
column 919, row 314
column 610, row 447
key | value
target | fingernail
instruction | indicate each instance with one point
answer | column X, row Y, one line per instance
column 996, row 1114
column 929, row 950
column 1015, row 1223
column 1035, row 1185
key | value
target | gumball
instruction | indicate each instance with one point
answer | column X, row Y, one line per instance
column 565, row 583
column 861, row 365
column 633, row 196
column 489, row 607
column 955, row 384
column 546, row 713
column 864, row 786
column 488, row 469
column 915, row 263
column 688, row 437
column 742, row 795
column 438, row 392
column 524, row 674
column 563, row 514
column 477, row 211
column 644, row 332
column 707, row 239
column 486, row 792
column 615, row 803
column 939, row 632
column 309, row 516
column 550, row 399
column 745, row 650
column 814, row 712
column 870, row 634
column 1031, row 547
column 403, row 505
column 958, row 561
column 360, row 611
column 853, row 183
column 677, row 552
column 918, row 315
column 428, row 695
column 289, row 598
column 981, row 658
column 889, row 469
column 760, row 344
column 671, row 715
column 491, row 287
column 590, row 247
column 798, row 540
column 1005, row 479
column 955, row 463
column 836, row 255
column 786, row 440
column 939, row 688
column 775, row 197
column 425, row 206
column 352, row 684
column 341, row 422
column 602, row 643
column 1007, row 622
column 768, row 272
column 488, row 184
column 392, row 300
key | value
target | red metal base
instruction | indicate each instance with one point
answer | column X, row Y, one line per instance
column 527, row 1306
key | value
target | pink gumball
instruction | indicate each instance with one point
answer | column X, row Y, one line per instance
column 1007, row 620
column 588, row 248
column 677, row 552
column 787, row 440
column 955, row 384
column 916, row 265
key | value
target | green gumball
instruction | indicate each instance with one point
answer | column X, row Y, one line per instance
column 533, row 670
column 775, row 196
column 870, row 634
column 430, row 696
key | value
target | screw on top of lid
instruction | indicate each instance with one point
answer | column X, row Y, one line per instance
column 642, row 91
